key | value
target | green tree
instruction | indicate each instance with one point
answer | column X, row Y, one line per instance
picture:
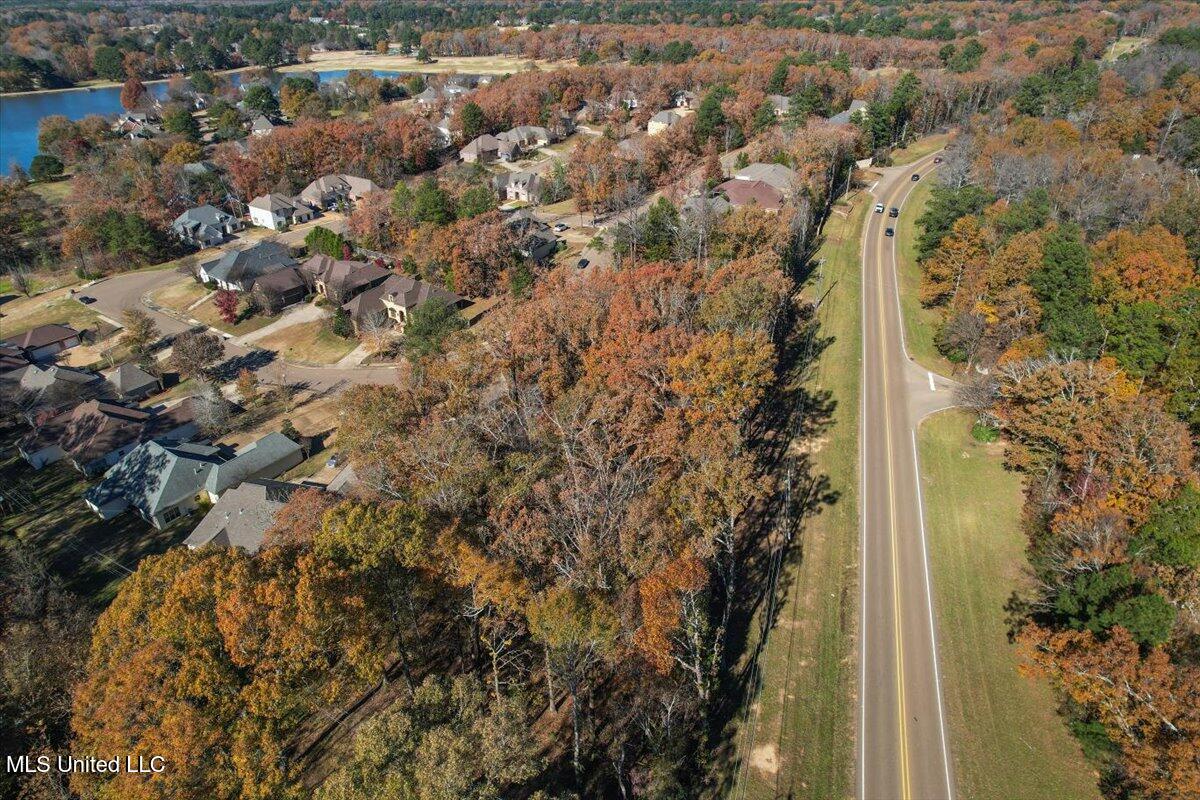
column 479, row 199
column 179, row 120
column 431, row 203
column 202, row 81
column 945, row 207
column 660, row 228
column 1097, row 601
column 260, row 98
column 108, row 63
column 1063, row 284
column 340, row 324
column 805, row 102
column 1136, row 338
column 428, row 326
column 764, row 117
column 1172, row 534
column 44, row 167
column 474, row 121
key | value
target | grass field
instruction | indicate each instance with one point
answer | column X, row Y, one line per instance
column 179, row 296
column 54, row 192
column 310, row 342
column 208, row 314
column 90, row 555
column 919, row 322
column 804, row 742
column 29, row 312
column 1124, row 46
column 919, row 149
column 1005, row 736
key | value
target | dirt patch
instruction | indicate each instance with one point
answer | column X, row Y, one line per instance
column 765, row 759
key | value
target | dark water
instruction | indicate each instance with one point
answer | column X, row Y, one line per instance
column 19, row 114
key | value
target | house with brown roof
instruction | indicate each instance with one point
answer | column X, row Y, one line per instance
column 339, row 280
column 95, row 435
column 745, row 193
column 278, row 290
column 487, row 148
column 131, row 382
column 44, row 342
column 329, row 190
column 390, row 303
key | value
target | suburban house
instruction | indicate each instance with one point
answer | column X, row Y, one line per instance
column 523, row 186
column 273, row 454
column 628, row 99
column 851, row 115
column 97, row 434
column 54, row 380
column 205, row 226
column 237, row 270
column 390, row 302
column 433, row 95
column 44, row 342
column 277, row 211
column 685, row 99
column 780, row 104
column 163, row 481
column 339, row 280
column 242, row 516
column 280, row 289
column 526, row 137
column 535, row 240
column 740, row 193
column 11, row 358
column 131, row 382
column 777, row 176
column 487, row 148
column 702, row 205
column 329, row 190
column 661, row 122
column 261, row 126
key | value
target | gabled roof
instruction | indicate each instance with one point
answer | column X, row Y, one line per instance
column 202, row 215
column 666, row 118
column 250, row 461
column 480, row 145
column 273, row 202
column 845, row 117
column 129, row 377
column 261, row 123
column 343, row 275
column 156, row 475
column 338, row 184
column 242, row 516
column 741, row 192
column 250, row 263
column 282, row 281
column 36, row 377
column 779, row 101
column 41, row 336
column 408, row 293
column 777, row 175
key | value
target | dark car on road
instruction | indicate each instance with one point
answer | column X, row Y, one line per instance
column 916, row 176
column 893, row 212
column 86, row 300
column 890, row 232
column 583, row 262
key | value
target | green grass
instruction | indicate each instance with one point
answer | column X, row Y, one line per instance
column 55, row 192
column 91, row 556
column 919, row 149
column 21, row 315
column 1126, row 45
column 806, row 721
column 1005, row 736
column 310, row 342
column 207, row 313
column 919, row 322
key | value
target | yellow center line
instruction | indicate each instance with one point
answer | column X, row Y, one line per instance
column 905, row 788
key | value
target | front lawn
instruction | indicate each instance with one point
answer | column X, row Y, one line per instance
column 30, row 312
column 309, row 342
column 179, row 296
column 207, row 314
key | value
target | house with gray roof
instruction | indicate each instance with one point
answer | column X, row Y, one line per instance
column 162, row 480
column 131, row 382
column 261, row 126
column 237, row 270
column 777, row 176
column 273, row 454
column 277, row 211
column 780, row 104
column 204, row 226
column 661, row 122
column 328, row 190
column 526, row 137
column 54, row 379
column 857, row 109
column 340, row 280
column 242, row 516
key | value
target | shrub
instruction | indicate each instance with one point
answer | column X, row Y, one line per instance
column 45, row 167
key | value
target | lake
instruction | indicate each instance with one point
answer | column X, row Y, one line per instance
column 19, row 114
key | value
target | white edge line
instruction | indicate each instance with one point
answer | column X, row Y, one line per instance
column 862, row 510
column 937, row 677
column 932, row 388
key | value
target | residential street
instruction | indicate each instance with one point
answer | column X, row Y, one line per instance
column 903, row 751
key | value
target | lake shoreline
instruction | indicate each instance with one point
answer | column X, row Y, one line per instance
column 335, row 60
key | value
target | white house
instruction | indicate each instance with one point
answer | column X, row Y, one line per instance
column 276, row 211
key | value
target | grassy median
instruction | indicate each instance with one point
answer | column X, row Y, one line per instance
column 804, row 737
column 1005, row 736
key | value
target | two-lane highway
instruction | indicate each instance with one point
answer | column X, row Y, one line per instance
column 902, row 748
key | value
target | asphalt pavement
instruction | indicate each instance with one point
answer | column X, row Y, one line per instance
column 903, row 751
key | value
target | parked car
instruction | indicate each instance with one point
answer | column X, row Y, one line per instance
column 879, row 208
column 890, row 232
column 86, row 299
column 893, row 212
column 583, row 262
column 937, row 159
column 916, row 176
column 560, row 227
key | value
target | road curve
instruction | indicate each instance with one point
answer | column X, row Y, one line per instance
column 903, row 752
